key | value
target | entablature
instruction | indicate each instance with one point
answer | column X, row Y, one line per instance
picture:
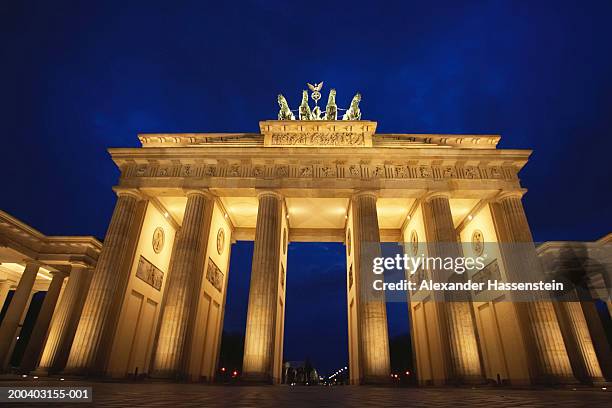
column 20, row 242
column 383, row 166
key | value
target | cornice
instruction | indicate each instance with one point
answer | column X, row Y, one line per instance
column 37, row 247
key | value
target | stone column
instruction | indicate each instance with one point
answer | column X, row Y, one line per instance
column 184, row 282
column 542, row 334
column 15, row 311
column 65, row 320
column 578, row 341
column 261, row 316
column 5, row 288
column 456, row 318
column 599, row 339
column 41, row 327
column 93, row 337
column 373, row 339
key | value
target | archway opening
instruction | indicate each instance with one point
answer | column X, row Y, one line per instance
column 231, row 352
column 316, row 335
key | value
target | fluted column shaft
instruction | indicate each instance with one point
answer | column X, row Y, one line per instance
column 184, row 282
column 15, row 311
column 41, row 327
column 581, row 350
column 65, row 320
column 261, row 315
column 455, row 314
column 372, row 312
column 538, row 319
column 93, row 337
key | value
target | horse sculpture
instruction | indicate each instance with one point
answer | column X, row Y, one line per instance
column 331, row 110
column 305, row 113
column 353, row 112
column 284, row 113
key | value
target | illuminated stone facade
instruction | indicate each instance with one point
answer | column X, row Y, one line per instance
column 156, row 299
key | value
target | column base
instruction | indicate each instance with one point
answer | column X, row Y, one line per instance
column 41, row 372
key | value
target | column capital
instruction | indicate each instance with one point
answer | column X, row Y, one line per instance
column 510, row 194
column 366, row 193
column 430, row 195
column 80, row 264
column 128, row 192
column 32, row 263
column 261, row 193
column 58, row 274
column 204, row 192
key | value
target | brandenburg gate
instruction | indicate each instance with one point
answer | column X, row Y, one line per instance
column 156, row 301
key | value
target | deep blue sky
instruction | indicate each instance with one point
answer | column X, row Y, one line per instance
column 79, row 76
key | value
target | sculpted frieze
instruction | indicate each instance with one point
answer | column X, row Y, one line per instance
column 337, row 169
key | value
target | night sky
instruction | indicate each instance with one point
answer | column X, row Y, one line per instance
column 79, row 77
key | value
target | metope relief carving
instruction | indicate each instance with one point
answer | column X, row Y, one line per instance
column 355, row 171
column 402, row 171
column 214, row 275
column 305, row 171
column 449, row 172
column 378, row 171
column 210, row 171
column 425, row 171
column 258, row 171
column 327, row 171
column 234, row 170
column 282, row 171
column 471, row 172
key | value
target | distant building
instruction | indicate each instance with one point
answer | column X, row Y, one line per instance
column 300, row 372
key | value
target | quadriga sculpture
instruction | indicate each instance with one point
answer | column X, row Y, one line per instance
column 331, row 110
